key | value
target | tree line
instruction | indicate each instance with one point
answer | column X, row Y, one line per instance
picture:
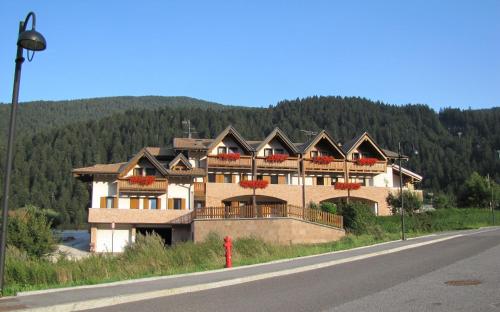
column 452, row 143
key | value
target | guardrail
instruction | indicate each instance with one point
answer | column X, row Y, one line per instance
column 243, row 162
column 158, row 185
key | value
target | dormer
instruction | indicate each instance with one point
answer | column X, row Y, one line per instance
column 276, row 143
column 180, row 163
column 142, row 164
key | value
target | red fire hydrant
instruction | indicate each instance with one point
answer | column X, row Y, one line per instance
column 228, row 245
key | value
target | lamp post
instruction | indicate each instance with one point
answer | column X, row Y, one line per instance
column 400, row 157
column 30, row 40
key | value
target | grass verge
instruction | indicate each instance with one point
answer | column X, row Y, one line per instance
column 149, row 257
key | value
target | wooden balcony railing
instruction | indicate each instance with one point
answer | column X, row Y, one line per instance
column 156, row 186
column 378, row 167
column 290, row 164
column 199, row 189
column 243, row 162
column 269, row 211
column 336, row 165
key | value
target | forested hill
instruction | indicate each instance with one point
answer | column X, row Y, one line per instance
column 34, row 116
column 451, row 143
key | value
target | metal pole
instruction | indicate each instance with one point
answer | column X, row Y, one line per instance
column 403, row 237
column 8, row 162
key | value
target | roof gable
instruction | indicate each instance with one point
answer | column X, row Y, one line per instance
column 322, row 135
column 360, row 139
column 143, row 153
column 238, row 138
column 180, row 158
column 277, row 133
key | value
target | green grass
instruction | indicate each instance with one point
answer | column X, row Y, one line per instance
column 148, row 257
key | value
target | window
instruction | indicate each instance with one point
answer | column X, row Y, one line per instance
column 334, row 180
column 233, row 150
column 153, row 203
column 221, row 150
column 355, row 156
column 198, row 204
column 137, row 171
column 260, row 177
column 320, row 181
column 109, row 202
column 325, row 153
column 228, row 178
column 177, row 203
column 274, row 179
column 150, row 171
column 211, row 177
column 279, row 151
column 268, row 152
column 314, row 154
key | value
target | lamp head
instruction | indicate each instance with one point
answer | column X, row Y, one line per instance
column 32, row 40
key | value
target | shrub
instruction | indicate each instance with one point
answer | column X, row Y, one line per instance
column 411, row 202
column 328, row 207
column 443, row 201
column 29, row 231
column 358, row 217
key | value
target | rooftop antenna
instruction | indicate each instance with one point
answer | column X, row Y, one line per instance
column 309, row 134
column 190, row 130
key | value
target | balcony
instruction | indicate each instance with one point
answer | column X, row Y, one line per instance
column 336, row 165
column 199, row 190
column 245, row 162
column 378, row 167
column 139, row 216
column 289, row 164
column 158, row 186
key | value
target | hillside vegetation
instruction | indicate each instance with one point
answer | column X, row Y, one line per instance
column 46, row 155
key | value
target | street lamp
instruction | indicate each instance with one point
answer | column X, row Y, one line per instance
column 400, row 157
column 30, row 40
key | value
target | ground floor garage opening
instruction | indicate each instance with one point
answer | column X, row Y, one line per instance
column 164, row 233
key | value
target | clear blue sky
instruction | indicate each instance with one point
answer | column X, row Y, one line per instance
column 256, row 53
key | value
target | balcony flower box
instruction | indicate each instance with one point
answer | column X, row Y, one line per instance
column 142, row 180
column 366, row 161
column 276, row 158
column 347, row 186
column 254, row 184
column 229, row 156
column 322, row 160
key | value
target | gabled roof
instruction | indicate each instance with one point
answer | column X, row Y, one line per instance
column 393, row 155
column 191, row 144
column 99, row 169
column 277, row 133
column 409, row 173
column 230, row 130
column 160, row 151
column 356, row 141
column 180, row 158
column 323, row 134
column 134, row 160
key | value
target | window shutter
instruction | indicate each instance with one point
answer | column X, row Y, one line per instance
column 134, row 203
column 281, row 179
column 158, row 203
column 103, row 202
column 267, row 178
column 219, row 178
column 183, row 203
column 233, row 178
column 115, row 202
column 170, row 203
column 146, row 203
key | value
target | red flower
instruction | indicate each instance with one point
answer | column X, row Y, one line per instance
column 323, row 160
column 254, row 184
column 229, row 156
column 366, row 161
column 277, row 158
column 142, row 180
column 347, row 186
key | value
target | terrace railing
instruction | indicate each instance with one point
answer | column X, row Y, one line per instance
column 268, row 211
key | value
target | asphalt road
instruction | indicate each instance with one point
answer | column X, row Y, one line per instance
column 410, row 280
